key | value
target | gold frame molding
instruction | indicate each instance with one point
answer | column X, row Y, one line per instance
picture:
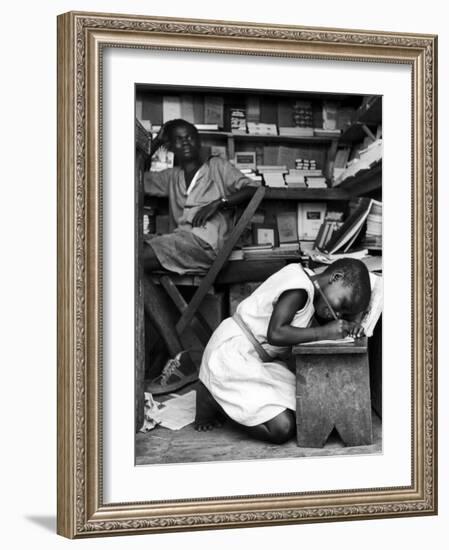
column 81, row 38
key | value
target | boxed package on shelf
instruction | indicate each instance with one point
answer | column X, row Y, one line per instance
column 302, row 113
column 238, row 121
column 261, row 129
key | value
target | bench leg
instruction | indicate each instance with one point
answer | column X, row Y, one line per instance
column 332, row 394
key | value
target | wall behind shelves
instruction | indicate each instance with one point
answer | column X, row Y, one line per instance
column 28, row 295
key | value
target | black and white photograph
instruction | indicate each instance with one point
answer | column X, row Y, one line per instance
column 258, row 274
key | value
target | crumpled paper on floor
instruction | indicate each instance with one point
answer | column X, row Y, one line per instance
column 174, row 414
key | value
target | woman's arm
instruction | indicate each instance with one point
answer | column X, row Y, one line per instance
column 282, row 333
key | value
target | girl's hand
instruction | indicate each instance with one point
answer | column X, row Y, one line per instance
column 338, row 329
column 357, row 330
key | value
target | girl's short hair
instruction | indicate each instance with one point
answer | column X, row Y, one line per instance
column 355, row 275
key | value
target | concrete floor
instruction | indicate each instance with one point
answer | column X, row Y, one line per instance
column 163, row 446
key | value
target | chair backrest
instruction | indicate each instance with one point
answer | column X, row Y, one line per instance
column 221, row 259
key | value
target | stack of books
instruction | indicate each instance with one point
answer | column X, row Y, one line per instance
column 316, row 181
column 273, row 175
column 262, row 129
column 373, row 235
column 295, row 179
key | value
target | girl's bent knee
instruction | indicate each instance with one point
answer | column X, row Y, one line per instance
column 282, row 428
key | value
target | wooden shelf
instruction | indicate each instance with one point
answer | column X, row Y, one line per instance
column 363, row 182
column 274, row 139
column 301, row 194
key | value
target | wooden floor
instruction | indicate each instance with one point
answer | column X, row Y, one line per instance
column 163, row 446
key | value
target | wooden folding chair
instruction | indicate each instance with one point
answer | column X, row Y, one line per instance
column 189, row 314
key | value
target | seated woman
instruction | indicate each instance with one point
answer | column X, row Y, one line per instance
column 242, row 374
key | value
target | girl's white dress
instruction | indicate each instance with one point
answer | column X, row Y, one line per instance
column 249, row 390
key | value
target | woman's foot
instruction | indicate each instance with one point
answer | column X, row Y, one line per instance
column 209, row 414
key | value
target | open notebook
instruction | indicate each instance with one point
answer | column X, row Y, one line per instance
column 370, row 317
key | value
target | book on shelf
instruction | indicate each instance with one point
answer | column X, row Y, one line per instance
column 253, row 108
column 351, row 228
column 198, row 110
column 272, row 253
column 274, row 178
column 187, row 108
column 316, row 182
column 268, row 110
column 295, row 131
column 306, row 172
column 152, row 109
column 321, row 132
column 213, row 110
column 210, row 127
column 262, row 168
column 285, row 113
column 310, row 216
column 295, row 182
column 287, row 226
column 171, row 107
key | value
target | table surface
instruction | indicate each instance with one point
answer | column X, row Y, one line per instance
column 360, row 345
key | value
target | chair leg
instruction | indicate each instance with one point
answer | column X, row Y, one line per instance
column 199, row 324
column 156, row 311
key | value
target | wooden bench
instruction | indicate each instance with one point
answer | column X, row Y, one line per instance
column 333, row 391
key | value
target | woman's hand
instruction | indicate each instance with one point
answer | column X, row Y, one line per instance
column 205, row 213
column 338, row 329
column 161, row 140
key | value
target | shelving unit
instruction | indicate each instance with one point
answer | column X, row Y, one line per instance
column 366, row 181
column 368, row 115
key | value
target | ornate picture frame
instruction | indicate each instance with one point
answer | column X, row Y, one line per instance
column 82, row 38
